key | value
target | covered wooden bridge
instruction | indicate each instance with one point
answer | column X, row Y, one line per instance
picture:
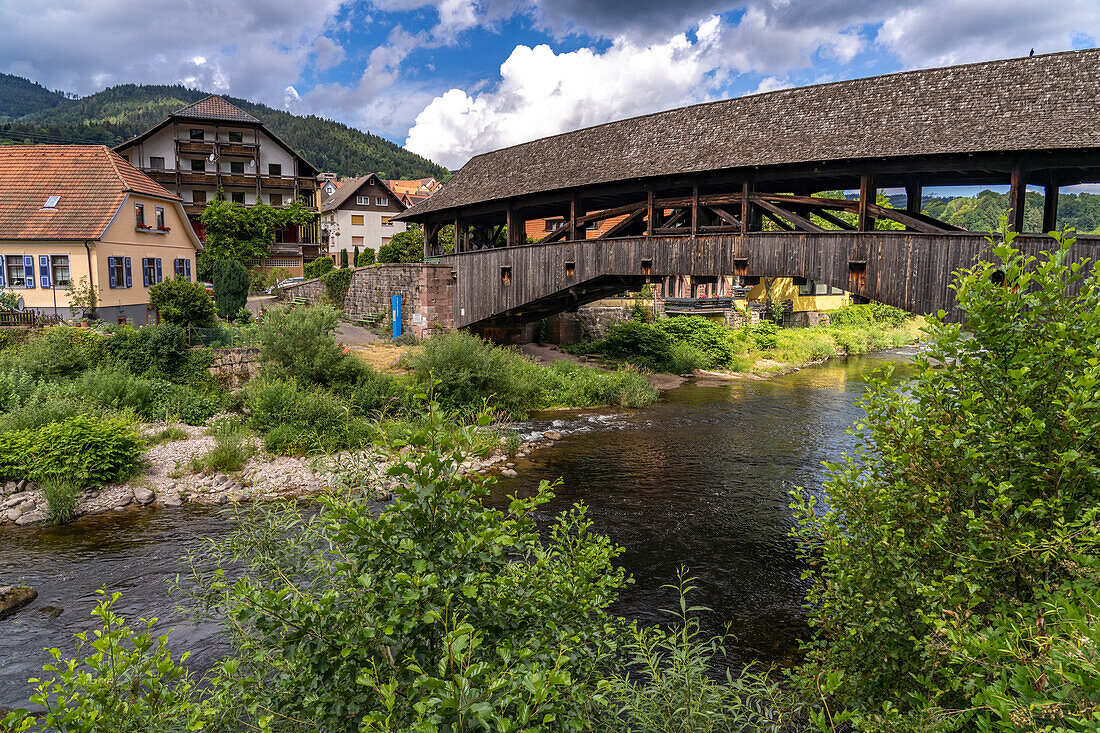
column 740, row 188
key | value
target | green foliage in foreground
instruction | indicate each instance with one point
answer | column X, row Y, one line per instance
column 435, row 614
column 468, row 370
column 230, row 280
column 956, row 572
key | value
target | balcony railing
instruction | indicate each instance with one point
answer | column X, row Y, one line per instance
column 238, row 150
column 201, row 147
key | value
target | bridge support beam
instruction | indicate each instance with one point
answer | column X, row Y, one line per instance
column 868, row 194
column 1050, row 205
column 1016, row 198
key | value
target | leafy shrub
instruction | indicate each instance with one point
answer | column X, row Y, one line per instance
column 297, row 419
column 128, row 683
column 673, row 690
column 721, row 344
column 317, row 267
column 442, row 613
column 299, row 344
column 91, row 450
column 42, row 410
column 116, row 390
column 565, row 384
column 230, row 287
column 184, row 403
column 183, row 303
column 684, row 358
column 765, row 335
column 364, row 258
column 60, row 351
column 643, row 344
column 869, row 314
column 337, row 283
column 953, row 569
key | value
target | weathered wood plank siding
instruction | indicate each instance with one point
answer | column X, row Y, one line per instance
column 905, row 269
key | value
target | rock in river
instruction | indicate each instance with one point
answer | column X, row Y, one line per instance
column 14, row 597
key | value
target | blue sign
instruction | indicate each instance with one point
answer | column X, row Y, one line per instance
column 396, row 316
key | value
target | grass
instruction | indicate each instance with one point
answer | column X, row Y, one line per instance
column 232, row 449
column 172, row 431
column 60, row 492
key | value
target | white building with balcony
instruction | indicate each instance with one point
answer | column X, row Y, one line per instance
column 213, row 145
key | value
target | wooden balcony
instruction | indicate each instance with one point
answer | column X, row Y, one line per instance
column 200, row 147
column 238, row 150
column 160, row 175
column 277, row 182
column 238, row 179
column 197, row 178
column 192, row 208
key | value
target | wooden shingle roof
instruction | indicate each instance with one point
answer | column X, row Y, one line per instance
column 1039, row 103
column 91, row 182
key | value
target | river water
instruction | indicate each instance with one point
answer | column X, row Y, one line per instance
column 699, row 480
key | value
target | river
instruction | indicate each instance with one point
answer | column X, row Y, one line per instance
column 699, row 480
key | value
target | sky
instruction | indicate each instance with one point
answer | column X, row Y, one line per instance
column 449, row 79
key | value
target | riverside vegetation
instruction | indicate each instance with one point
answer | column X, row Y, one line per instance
column 684, row 343
column 954, row 576
column 74, row 400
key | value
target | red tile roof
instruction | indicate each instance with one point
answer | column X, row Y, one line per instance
column 215, row 108
column 91, row 181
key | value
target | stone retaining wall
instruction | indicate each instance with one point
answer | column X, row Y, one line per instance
column 426, row 290
column 235, row 367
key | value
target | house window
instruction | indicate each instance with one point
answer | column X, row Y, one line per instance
column 160, row 217
column 59, row 265
column 139, row 215
column 362, row 200
column 356, row 241
column 198, row 165
column 357, row 220
column 386, row 221
column 198, row 197
column 118, row 272
column 381, row 201
column 156, row 163
column 276, row 199
column 238, row 197
column 278, row 236
column 552, row 225
column 236, row 137
column 809, row 287
column 17, row 273
column 197, row 134
column 274, row 169
column 237, row 167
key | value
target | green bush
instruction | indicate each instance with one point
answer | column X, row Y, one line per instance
column 91, row 450
column 438, row 613
column 956, row 569
column 720, row 343
column 296, row 419
column 127, row 683
column 869, row 314
column 230, row 287
column 60, row 351
column 299, row 344
column 317, row 267
column 183, row 303
column 44, row 408
column 765, row 335
column 364, row 258
column 60, row 492
column 232, row 449
column 644, row 344
column 337, row 283
column 116, row 390
column 184, row 403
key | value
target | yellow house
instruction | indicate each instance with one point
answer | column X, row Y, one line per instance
column 80, row 215
column 805, row 295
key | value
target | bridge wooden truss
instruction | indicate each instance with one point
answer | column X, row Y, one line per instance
column 781, row 184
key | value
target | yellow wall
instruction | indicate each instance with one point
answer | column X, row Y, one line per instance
column 120, row 240
column 783, row 288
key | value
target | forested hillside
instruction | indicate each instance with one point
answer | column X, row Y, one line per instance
column 119, row 113
column 19, row 96
column 982, row 213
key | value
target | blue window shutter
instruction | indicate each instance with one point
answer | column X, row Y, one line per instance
column 160, row 276
column 145, row 271
column 44, row 270
column 3, row 282
column 186, row 269
column 111, row 272
column 126, row 266
column 28, row 270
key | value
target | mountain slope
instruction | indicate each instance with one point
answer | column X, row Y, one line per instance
column 19, row 96
column 118, row 113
